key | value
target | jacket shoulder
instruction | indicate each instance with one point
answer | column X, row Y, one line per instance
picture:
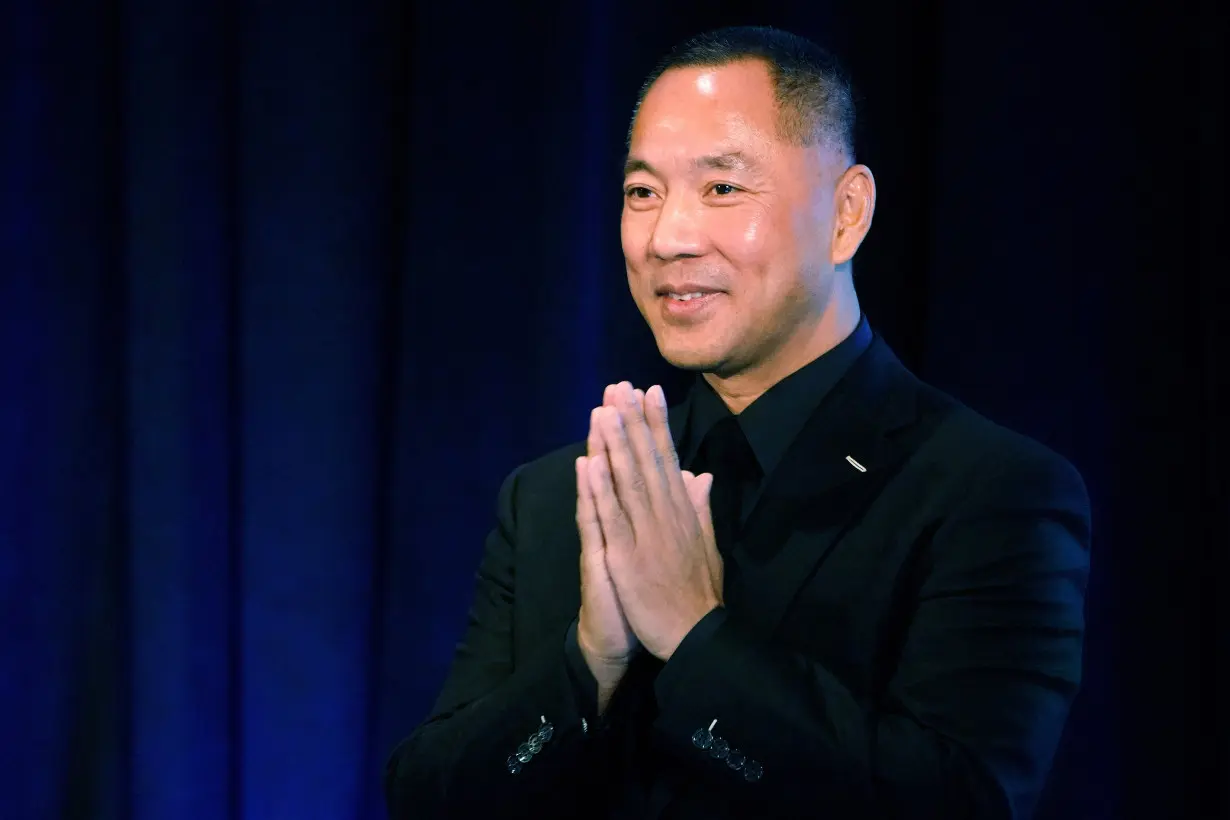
column 553, row 467
column 981, row 449
column 546, row 479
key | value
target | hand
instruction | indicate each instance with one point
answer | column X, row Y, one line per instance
column 660, row 551
column 606, row 641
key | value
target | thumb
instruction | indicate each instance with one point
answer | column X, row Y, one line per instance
column 698, row 493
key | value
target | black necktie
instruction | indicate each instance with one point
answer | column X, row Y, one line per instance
column 726, row 454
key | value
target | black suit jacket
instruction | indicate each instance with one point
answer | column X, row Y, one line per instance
column 909, row 647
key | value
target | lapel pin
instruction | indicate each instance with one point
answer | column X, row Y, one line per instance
column 855, row 464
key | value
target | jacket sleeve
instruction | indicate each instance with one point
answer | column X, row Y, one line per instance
column 973, row 713
column 493, row 706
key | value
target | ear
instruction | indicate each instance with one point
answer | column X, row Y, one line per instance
column 854, row 205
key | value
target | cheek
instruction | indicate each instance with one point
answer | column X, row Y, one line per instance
column 746, row 237
column 813, row 228
column 754, row 233
column 634, row 237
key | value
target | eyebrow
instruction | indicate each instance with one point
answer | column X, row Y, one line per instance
column 728, row 161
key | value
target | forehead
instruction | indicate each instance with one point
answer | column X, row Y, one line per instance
column 699, row 109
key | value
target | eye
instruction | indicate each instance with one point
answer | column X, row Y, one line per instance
column 724, row 189
column 638, row 192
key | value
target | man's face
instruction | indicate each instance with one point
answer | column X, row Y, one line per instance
column 727, row 230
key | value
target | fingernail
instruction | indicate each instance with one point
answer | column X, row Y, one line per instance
column 659, row 395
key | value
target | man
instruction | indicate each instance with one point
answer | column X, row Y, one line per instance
column 859, row 600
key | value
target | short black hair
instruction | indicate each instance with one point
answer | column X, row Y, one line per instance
column 814, row 96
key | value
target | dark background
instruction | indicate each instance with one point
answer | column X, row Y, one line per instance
column 286, row 288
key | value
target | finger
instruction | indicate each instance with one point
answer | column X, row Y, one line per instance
column 608, row 395
column 616, row 531
column 651, row 461
column 588, row 526
column 594, row 443
column 627, row 479
column 698, row 488
column 658, row 421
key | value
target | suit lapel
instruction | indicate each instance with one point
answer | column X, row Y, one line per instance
column 843, row 456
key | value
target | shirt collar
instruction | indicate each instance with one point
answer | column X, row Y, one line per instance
column 774, row 419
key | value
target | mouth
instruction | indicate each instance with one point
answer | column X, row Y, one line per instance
column 685, row 291
column 687, row 302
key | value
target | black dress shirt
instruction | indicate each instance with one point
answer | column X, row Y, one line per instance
column 770, row 424
column 774, row 420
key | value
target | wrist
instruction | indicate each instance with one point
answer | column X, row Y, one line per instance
column 603, row 668
column 593, row 650
column 607, row 670
column 607, row 674
column 690, row 625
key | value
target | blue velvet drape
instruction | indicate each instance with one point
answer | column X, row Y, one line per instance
column 287, row 288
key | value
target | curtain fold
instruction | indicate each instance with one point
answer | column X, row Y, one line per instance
column 286, row 289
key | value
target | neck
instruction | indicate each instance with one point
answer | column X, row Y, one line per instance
column 834, row 324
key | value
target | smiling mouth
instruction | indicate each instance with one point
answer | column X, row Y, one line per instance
column 688, row 306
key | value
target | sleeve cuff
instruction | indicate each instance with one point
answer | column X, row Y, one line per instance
column 584, row 685
column 667, row 682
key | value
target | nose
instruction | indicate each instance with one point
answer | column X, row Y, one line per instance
column 677, row 232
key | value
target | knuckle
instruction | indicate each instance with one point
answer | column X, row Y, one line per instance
column 615, row 559
column 619, row 524
column 611, row 511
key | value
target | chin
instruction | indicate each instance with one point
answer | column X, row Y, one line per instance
column 696, row 358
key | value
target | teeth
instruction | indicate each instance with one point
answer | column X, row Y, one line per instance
column 684, row 297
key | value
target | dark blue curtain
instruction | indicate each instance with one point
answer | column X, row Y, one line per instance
column 287, row 288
